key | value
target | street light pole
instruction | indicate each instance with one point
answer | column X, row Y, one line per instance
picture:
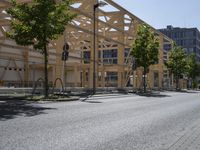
column 99, row 4
column 94, row 47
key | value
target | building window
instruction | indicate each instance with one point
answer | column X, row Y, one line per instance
column 194, row 33
column 181, row 34
column 194, row 42
column 110, row 56
column 189, row 33
column 110, row 53
column 111, row 79
column 175, row 35
column 188, row 42
column 86, row 57
column 181, row 42
column 167, row 47
column 190, row 50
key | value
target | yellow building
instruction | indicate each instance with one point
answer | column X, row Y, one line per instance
column 114, row 29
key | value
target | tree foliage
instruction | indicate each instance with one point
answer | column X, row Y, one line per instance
column 145, row 49
column 193, row 68
column 177, row 63
column 38, row 23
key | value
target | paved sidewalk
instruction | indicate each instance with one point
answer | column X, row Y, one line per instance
column 190, row 140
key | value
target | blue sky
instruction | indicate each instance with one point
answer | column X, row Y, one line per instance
column 160, row 13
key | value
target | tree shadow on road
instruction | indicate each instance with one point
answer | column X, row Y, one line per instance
column 157, row 95
column 11, row 108
column 186, row 91
column 92, row 101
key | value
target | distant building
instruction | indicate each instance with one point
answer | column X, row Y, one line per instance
column 187, row 38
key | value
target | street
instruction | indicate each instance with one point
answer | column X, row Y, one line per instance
column 168, row 121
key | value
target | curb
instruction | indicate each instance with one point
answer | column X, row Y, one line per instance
column 62, row 99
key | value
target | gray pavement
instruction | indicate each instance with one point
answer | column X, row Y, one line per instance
column 169, row 121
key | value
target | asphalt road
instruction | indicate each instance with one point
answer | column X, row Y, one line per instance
column 113, row 123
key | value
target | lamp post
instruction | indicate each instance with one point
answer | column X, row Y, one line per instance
column 98, row 4
column 136, row 81
column 33, row 74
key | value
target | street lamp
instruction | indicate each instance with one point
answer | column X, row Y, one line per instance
column 99, row 4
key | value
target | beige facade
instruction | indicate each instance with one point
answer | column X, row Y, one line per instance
column 115, row 30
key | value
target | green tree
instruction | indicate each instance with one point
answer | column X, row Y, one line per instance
column 145, row 50
column 177, row 63
column 193, row 68
column 38, row 23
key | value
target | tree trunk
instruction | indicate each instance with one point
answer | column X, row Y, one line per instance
column 46, row 87
column 177, row 82
column 192, row 85
column 144, row 80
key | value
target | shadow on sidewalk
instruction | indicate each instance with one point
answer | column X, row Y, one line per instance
column 11, row 107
